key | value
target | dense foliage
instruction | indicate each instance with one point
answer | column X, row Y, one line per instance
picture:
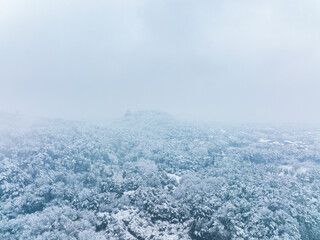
column 147, row 176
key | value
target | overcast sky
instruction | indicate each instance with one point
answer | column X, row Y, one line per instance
column 225, row 61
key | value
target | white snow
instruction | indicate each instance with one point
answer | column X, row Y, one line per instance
column 128, row 192
column 174, row 176
column 302, row 170
column 286, row 167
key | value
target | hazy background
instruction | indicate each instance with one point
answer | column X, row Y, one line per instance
column 225, row 61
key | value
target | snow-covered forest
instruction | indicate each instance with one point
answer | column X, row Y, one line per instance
column 149, row 176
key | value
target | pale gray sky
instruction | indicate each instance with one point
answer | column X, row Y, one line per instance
column 225, row 61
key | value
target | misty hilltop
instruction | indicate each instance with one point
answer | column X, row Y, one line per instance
column 150, row 176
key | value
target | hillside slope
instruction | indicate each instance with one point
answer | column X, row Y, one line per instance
column 148, row 176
